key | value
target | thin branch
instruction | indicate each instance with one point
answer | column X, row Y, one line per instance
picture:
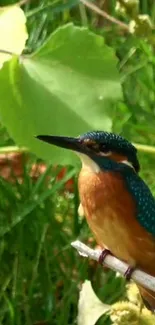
column 10, row 149
column 140, row 277
column 105, row 14
column 144, row 148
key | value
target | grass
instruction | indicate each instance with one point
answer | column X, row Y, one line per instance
column 35, row 250
column 38, row 223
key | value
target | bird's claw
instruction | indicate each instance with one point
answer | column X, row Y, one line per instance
column 103, row 255
column 128, row 273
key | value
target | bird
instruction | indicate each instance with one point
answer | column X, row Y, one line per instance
column 118, row 205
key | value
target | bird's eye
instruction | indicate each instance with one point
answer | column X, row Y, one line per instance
column 105, row 151
column 91, row 144
column 103, row 148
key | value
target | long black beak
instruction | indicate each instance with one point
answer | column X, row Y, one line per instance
column 63, row 142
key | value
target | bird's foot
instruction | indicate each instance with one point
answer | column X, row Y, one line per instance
column 103, row 255
column 128, row 273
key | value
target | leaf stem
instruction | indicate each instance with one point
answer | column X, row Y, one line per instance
column 23, row 2
column 7, row 52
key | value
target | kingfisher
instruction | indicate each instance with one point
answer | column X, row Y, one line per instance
column 118, row 205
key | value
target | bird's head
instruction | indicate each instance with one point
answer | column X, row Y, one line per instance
column 98, row 148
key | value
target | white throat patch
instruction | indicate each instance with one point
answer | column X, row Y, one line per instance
column 88, row 163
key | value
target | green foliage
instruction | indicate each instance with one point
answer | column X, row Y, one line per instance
column 67, row 82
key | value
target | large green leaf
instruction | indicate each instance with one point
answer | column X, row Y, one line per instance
column 69, row 86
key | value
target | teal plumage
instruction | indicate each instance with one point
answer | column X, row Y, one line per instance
column 144, row 199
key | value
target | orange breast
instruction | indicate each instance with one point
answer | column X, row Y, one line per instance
column 111, row 214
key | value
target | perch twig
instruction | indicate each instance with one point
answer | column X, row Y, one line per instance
column 115, row 264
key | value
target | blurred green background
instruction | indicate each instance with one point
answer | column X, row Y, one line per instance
column 40, row 273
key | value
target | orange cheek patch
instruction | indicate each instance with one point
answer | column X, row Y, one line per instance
column 117, row 157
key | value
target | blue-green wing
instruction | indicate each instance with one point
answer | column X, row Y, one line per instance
column 145, row 201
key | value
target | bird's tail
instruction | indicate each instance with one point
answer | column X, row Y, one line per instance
column 148, row 298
